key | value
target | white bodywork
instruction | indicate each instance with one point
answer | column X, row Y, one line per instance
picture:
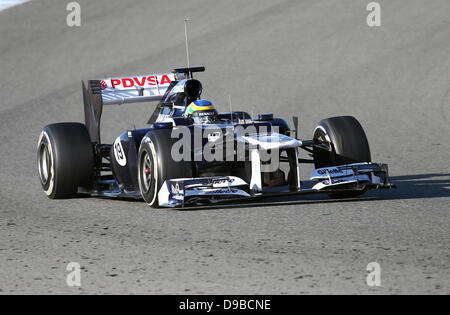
column 173, row 192
column 274, row 141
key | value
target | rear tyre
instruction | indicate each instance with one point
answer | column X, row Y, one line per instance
column 65, row 160
column 342, row 140
column 156, row 165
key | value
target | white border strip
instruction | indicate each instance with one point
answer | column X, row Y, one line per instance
column 5, row 4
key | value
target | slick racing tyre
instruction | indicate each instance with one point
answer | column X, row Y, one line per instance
column 65, row 160
column 156, row 165
column 340, row 140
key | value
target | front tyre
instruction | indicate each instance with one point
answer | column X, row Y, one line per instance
column 156, row 165
column 338, row 141
column 65, row 160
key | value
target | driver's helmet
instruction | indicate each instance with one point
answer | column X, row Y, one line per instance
column 202, row 111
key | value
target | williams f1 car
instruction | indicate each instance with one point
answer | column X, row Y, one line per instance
column 192, row 155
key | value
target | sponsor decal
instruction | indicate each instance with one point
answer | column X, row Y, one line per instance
column 103, row 85
column 119, row 153
column 176, row 189
column 224, row 191
column 330, row 171
column 178, row 197
column 179, row 88
column 204, row 113
column 150, row 81
column 223, row 181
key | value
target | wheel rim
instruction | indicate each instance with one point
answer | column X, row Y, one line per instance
column 146, row 173
column 44, row 163
column 323, row 150
column 321, row 137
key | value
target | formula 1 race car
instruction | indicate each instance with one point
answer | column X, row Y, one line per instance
column 192, row 155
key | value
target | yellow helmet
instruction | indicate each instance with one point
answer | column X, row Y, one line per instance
column 201, row 108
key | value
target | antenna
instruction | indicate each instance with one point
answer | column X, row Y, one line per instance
column 231, row 108
column 186, row 20
column 296, row 131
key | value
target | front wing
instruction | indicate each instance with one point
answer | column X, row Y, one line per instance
column 356, row 177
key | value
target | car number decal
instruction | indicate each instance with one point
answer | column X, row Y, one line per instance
column 119, row 153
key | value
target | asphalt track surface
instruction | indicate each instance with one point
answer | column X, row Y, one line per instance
column 312, row 58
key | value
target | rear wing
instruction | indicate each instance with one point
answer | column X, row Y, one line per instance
column 118, row 91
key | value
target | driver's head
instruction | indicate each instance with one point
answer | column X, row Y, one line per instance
column 202, row 111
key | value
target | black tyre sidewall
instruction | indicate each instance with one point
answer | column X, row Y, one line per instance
column 348, row 142
column 348, row 145
column 72, row 159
